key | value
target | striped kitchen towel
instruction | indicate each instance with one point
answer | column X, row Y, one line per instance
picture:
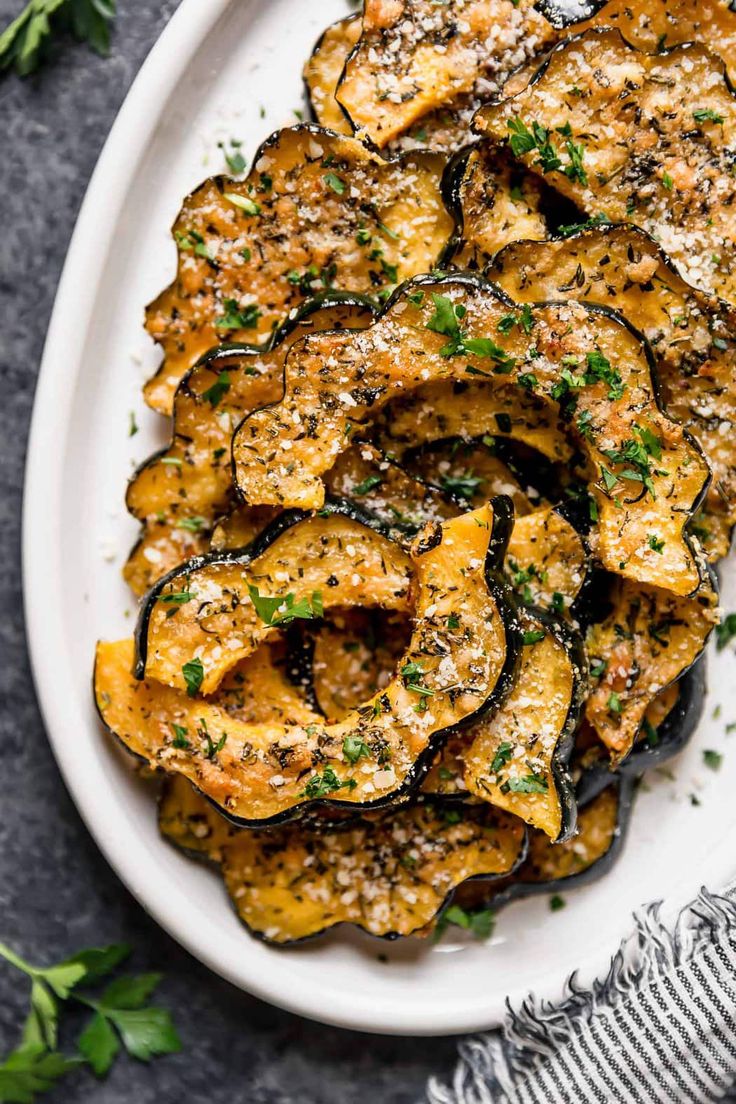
column 659, row 1028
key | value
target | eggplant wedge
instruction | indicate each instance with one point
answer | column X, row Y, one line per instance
column 635, row 137
column 584, row 362
column 389, row 874
column 317, row 211
column 461, row 661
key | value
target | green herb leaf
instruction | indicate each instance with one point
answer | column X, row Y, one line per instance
column 463, row 485
column 30, row 1070
column 503, row 755
column 24, row 42
column 193, row 672
column 335, row 183
column 368, row 484
column 320, row 785
column 556, row 903
column 284, row 610
column 237, row 318
column 712, row 759
column 707, row 114
column 531, row 783
column 726, row 631
column 480, row 922
column 215, row 394
column 533, row 636
column 243, row 203
column 191, row 524
column 353, row 747
column 99, row 1044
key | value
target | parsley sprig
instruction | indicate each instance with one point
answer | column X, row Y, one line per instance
column 524, row 139
column 24, row 43
column 122, row 1018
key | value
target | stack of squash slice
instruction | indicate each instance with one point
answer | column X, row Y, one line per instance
column 426, row 568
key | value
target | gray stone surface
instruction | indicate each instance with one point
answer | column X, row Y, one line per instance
column 56, row 891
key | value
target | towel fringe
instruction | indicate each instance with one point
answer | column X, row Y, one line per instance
column 490, row 1064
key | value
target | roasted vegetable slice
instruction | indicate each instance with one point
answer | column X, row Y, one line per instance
column 389, row 874
column 355, row 655
column 669, row 723
column 648, row 640
column 494, row 202
column 402, row 503
column 316, row 211
column 642, row 138
column 582, row 362
column 470, row 410
column 461, row 661
column 324, row 69
column 224, row 605
column 558, row 867
column 652, row 25
column 415, row 56
column 472, row 473
column 693, row 337
column 518, row 759
column 178, row 493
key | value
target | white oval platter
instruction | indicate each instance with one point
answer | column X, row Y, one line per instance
column 226, row 70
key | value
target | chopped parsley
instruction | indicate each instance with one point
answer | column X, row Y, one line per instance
column 353, row 747
column 712, row 759
column 284, row 610
column 529, row 784
column 180, row 737
column 480, row 922
column 233, row 157
column 320, row 785
column 463, row 485
column 236, row 317
column 707, row 114
column 533, row 636
column 556, row 903
column 726, row 631
column 655, row 543
column 503, row 755
column 243, row 203
column 215, row 394
column 193, row 672
column 334, row 182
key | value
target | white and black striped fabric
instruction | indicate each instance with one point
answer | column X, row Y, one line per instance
column 660, row 1028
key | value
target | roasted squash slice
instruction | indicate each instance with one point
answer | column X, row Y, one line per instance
column 648, row 640
column 389, row 874
column 355, row 655
column 557, row 867
column 323, row 71
column 461, row 661
column 584, row 363
column 178, row 493
column 316, row 211
column 654, row 25
column 668, row 725
column 444, row 130
column 495, row 201
column 415, row 56
column 469, row 409
column 217, row 609
column 693, row 337
column 472, row 472
column 635, row 137
column 518, row 759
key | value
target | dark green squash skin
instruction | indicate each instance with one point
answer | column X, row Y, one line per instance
column 673, row 735
column 315, row 48
column 497, row 587
column 574, row 646
column 516, row 891
column 482, row 284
